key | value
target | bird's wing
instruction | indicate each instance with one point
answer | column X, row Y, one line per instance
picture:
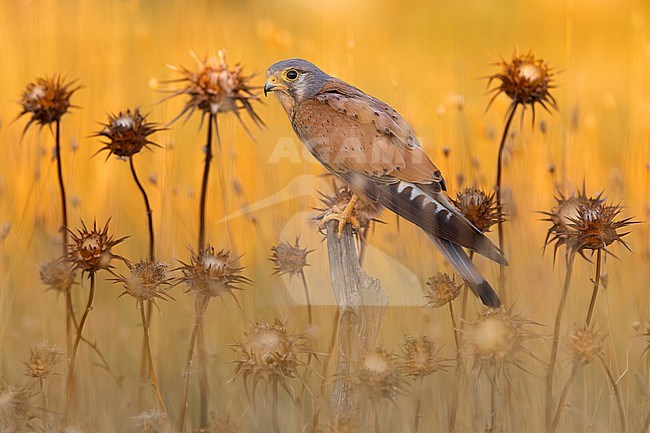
column 370, row 146
column 368, row 136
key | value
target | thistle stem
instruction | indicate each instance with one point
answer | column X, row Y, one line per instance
column 453, row 324
column 147, row 207
column 203, row 376
column 64, row 206
column 453, row 411
column 203, row 373
column 274, row 409
column 506, row 129
column 556, row 340
column 617, row 395
column 376, row 416
column 152, row 373
column 200, row 307
column 307, row 297
column 73, row 354
column 143, row 362
column 69, row 313
column 204, row 182
column 592, row 303
column 563, row 396
column 418, row 415
column 326, row 362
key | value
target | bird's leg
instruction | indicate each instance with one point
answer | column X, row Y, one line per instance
column 342, row 216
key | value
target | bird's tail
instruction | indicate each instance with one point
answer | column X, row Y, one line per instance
column 458, row 258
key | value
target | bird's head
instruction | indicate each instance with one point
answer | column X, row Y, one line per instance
column 294, row 80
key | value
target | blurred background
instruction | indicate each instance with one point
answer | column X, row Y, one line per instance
column 429, row 60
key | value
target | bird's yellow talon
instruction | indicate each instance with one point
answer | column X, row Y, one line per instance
column 342, row 216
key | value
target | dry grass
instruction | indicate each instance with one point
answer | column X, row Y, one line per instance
column 426, row 60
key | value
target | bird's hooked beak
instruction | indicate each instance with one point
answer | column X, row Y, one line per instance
column 272, row 84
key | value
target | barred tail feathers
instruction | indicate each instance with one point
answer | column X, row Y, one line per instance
column 459, row 259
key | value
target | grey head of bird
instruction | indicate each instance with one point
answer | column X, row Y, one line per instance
column 294, row 81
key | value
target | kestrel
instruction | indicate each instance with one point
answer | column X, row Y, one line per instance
column 368, row 145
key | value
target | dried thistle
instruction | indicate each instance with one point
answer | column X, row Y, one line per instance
column 289, row 259
column 58, row 275
column 127, row 133
column 497, row 339
column 215, row 88
column 421, row 356
column 211, row 273
column 596, row 226
column 17, row 408
column 147, row 281
column 42, row 359
column 560, row 216
column 479, row 207
column 92, row 250
column 47, row 100
column 272, row 354
column 442, row 290
column 363, row 212
column 377, row 375
column 585, row 223
column 151, row 421
column 584, row 345
column 526, row 80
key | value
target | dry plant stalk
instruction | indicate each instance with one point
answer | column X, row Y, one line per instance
column 362, row 302
column 482, row 210
column 47, row 100
column 126, row 134
column 213, row 88
column 208, row 274
column 291, row 260
column 527, row 81
column 420, row 358
column 272, row 354
column 89, row 251
column 581, row 224
column 147, row 282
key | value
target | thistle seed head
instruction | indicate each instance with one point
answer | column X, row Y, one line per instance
column 147, row 281
column 585, row 223
column 420, row 356
column 479, row 207
column 58, row 275
column 215, row 88
column 289, row 259
column 17, row 408
column 442, row 290
column 127, row 133
column 526, row 80
column 211, row 273
column 584, row 345
column 46, row 100
column 497, row 339
column 42, row 359
column 92, row 250
column 377, row 375
column 269, row 352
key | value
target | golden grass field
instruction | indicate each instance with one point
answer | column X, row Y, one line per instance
column 429, row 61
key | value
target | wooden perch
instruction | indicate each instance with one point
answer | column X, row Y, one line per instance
column 362, row 302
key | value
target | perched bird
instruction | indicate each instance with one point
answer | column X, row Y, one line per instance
column 368, row 145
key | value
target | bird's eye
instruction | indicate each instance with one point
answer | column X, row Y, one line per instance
column 291, row 74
